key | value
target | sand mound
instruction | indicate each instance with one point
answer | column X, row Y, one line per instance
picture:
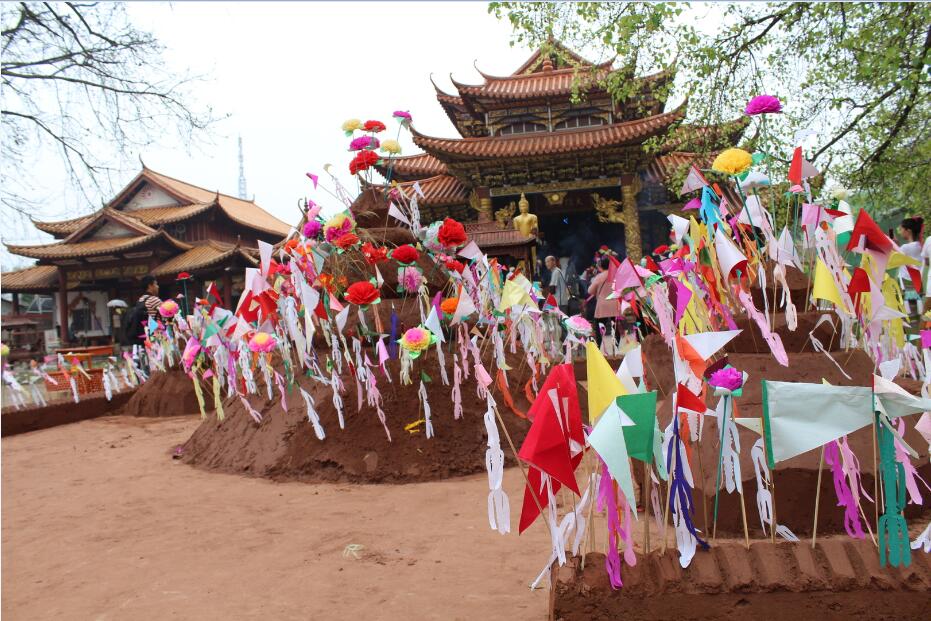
column 169, row 393
column 284, row 446
column 839, row 579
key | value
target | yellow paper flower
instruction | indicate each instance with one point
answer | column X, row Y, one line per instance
column 732, row 161
column 352, row 125
column 391, row 146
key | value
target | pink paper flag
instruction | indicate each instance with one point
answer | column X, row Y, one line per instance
column 925, row 338
column 313, row 178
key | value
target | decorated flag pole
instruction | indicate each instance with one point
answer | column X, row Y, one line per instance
column 814, row 528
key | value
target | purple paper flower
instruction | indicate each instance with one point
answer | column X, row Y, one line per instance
column 763, row 104
column 404, row 118
column 364, row 142
column 312, row 228
column 727, row 378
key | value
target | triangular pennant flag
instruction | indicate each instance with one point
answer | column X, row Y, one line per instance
column 896, row 400
column 729, row 256
column 641, row 409
column 432, row 323
column 707, row 344
column 546, row 446
column 795, row 168
column 825, row 288
column 418, row 190
column 607, row 438
column 529, row 510
column 753, row 424
column 562, row 379
column 603, row 385
column 800, row 417
column 688, row 400
column 314, row 179
column 680, row 227
column 396, row 213
column 514, row 294
column 694, row 180
column 867, row 235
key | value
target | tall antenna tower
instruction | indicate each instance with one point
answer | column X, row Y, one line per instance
column 242, row 174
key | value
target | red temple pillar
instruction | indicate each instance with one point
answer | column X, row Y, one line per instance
column 16, row 304
column 227, row 290
column 62, row 307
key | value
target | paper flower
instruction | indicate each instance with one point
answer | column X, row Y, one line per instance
column 362, row 293
column 262, row 342
column 405, row 254
column 454, row 266
column 374, row 126
column 448, row 306
column 728, row 378
column 402, row 117
column 168, row 308
column 416, row 340
column 4, row 350
column 337, row 226
column 363, row 142
column 362, row 161
column 579, row 325
column 452, row 234
column 189, row 356
column 840, row 193
column 732, row 161
column 374, row 254
column 763, row 104
column 312, row 228
column 183, row 276
column 351, row 125
column 409, row 279
column 391, row 146
column 346, row 241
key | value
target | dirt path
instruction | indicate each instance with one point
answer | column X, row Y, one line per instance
column 100, row 523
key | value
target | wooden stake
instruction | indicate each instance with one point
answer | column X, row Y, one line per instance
column 773, row 496
column 520, row 464
column 669, row 493
column 743, row 513
column 645, row 489
column 876, row 487
column 814, row 528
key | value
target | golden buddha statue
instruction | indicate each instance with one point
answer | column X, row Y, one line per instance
column 526, row 222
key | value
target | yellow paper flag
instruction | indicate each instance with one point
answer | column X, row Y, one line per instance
column 825, row 288
column 513, row 295
column 603, row 385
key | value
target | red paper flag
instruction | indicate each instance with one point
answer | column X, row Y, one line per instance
column 859, row 284
column 529, row 510
column 915, row 274
column 795, row 168
column 872, row 236
column 688, row 400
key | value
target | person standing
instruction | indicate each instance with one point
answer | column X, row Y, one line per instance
column 146, row 306
column 606, row 309
column 559, row 288
column 910, row 233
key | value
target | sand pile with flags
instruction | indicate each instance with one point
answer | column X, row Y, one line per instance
column 165, row 393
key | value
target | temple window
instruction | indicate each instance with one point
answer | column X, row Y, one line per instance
column 582, row 120
column 522, row 127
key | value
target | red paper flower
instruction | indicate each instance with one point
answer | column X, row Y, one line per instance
column 374, row 126
column 661, row 249
column 448, row 306
column 183, row 276
column 347, row 241
column 454, row 266
column 362, row 161
column 374, row 254
column 451, row 234
column 405, row 254
column 362, row 293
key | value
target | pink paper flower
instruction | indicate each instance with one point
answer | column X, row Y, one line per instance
column 262, row 342
column 364, row 142
column 727, row 378
column 763, row 104
column 403, row 117
column 312, row 228
column 409, row 279
column 168, row 308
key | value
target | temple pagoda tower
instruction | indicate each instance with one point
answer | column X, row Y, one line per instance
column 552, row 133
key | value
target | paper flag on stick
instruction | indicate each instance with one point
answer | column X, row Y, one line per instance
column 641, row 409
column 513, row 295
column 753, row 424
column 825, row 288
column 801, row 417
column 265, row 254
column 896, row 400
column 529, row 510
column 546, row 445
column 607, row 438
column 418, row 190
column 795, row 168
column 396, row 213
column 694, row 180
column 314, row 178
column 603, row 385
column 562, row 379
column 680, row 227
column 866, row 234
column 707, row 344
column 729, row 256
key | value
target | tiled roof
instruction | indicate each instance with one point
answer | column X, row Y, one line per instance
column 438, row 191
column 242, row 211
column 200, row 257
column 169, row 214
column 555, row 83
column 535, row 58
column 62, row 250
column 411, row 167
column 550, row 143
column 491, row 235
column 35, row 278
column 65, row 227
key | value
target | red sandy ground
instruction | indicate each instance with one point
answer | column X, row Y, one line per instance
column 100, row 523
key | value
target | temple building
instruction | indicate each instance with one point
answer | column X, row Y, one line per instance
column 547, row 159
column 156, row 225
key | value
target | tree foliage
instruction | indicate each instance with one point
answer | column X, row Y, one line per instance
column 79, row 80
column 857, row 74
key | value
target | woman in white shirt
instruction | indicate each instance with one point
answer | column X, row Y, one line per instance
column 910, row 233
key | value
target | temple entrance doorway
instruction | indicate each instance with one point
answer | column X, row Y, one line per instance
column 577, row 236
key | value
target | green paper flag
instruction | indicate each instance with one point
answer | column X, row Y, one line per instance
column 641, row 408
